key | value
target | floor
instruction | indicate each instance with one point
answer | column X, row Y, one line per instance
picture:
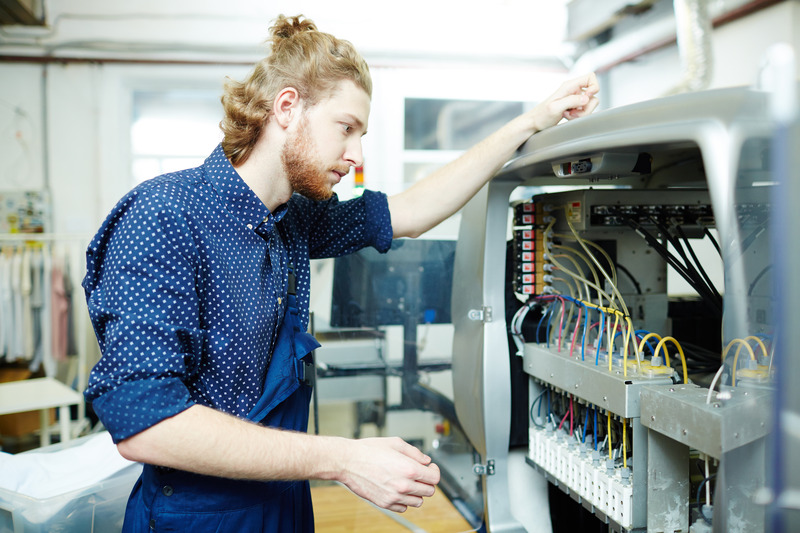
column 337, row 510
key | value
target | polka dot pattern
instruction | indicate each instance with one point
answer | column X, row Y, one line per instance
column 186, row 286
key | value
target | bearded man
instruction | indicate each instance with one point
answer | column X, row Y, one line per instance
column 198, row 289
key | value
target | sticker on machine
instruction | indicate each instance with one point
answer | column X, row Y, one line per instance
column 574, row 212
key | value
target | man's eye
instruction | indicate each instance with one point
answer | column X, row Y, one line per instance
column 347, row 128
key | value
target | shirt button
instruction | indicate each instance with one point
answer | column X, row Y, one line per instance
column 249, row 226
column 167, row 490
column 153, row 525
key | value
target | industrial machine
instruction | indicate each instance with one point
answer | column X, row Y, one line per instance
column 651, row 410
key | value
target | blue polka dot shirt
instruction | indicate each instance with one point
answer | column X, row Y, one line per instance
column 186, row 285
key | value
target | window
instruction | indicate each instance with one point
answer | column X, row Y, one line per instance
column 173, row 130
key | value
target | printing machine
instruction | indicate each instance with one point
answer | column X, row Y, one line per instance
column 631, row 180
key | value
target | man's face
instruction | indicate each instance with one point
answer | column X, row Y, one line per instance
column 326, row 142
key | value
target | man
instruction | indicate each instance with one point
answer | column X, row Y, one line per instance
column 190, row 288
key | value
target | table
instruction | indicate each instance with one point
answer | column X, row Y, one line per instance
column 40, row 394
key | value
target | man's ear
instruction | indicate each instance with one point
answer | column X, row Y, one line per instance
column 287, row 106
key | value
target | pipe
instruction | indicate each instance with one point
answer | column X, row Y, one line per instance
column 658, row 35
column 693, row 30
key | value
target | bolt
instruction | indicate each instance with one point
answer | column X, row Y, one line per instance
column 672, row 389
column 685, row 432
column 652, row 418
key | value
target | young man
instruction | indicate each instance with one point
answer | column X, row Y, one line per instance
column 190, row 284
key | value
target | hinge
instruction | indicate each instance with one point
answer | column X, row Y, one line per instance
column 484, row 314
column 484, row 470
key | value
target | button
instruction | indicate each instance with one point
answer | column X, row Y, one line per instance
column 279, row 300
column 153, row 525
column 249, row 226
column 167, row 490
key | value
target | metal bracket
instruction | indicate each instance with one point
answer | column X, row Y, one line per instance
column 484, row 470
column 484, row 314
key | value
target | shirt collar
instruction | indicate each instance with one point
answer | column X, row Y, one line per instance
column 239, row 198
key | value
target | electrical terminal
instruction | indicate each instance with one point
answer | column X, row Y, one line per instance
column 647, row 368
column 606, row 486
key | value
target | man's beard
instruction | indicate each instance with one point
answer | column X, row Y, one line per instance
column 303, row 168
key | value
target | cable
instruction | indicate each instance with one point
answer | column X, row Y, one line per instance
column 712, row 239
column 697, row 262
column 624, row 443
column 537, row 400
column 740, row 342
column 699, row 492
column 680, row 351
column 585, row 425
column 693, row 279
column 630, row 276
column 602, row 270
column 757, row 279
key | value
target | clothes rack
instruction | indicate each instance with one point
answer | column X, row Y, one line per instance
column 68, row 250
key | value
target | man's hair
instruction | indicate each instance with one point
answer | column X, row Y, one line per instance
column 300, row 57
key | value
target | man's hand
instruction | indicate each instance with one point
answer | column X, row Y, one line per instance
column 574, row 98
column 389, row 472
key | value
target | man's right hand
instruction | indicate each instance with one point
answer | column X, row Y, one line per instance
column 389, row 472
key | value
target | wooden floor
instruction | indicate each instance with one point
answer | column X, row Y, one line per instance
column 337, row 510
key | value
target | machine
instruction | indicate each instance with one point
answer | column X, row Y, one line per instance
column 652, row 410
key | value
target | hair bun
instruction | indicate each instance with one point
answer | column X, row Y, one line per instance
column 286, row 27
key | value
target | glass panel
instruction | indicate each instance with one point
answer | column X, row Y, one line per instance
column 432, row 124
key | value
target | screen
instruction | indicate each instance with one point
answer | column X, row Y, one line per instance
column 413, row 280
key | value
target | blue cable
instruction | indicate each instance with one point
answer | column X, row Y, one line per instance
column 585, row 331
column 550, row 309
column 594, row 427
column 600, row 337
column 585, row 425
column 639, row 333
column 540, row 325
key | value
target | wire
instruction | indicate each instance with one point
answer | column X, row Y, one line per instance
column 630, row 276
column 757, row 279
column 599, row 267
column 585, row 425
column 712, row 239
column 697, row 262
column 680, row 351
column 699, row 492
column 740, row 342
column 537, row 400
column 624, row 443
column 608, row 435
column 693, row 279
column 713, row 383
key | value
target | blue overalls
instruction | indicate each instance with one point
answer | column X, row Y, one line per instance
column 165, row 499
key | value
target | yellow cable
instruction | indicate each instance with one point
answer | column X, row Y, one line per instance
column 740, row 342
column 644, row 339
column 760, row 343
column 609, row 435
column 628, row 337
column 611, row 339
column 624, row 443
column 666, row 355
